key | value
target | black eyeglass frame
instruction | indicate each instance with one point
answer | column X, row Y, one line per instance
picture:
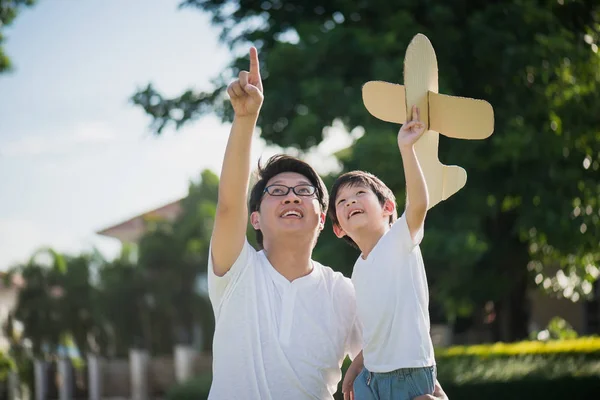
column 292, row 188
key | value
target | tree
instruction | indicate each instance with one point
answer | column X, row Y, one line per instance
column 531, row 204
column 151, row 298
column 56, row 304
column 38, row 301
column 75, row 304
column 8, row 12
column 172, row 260
column 121, row 304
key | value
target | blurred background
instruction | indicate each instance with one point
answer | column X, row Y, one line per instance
column 113, row 122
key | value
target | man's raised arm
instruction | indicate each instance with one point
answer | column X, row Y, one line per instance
column 229, row 233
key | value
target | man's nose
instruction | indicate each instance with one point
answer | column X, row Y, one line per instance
column 291, row 197
column 350, row 202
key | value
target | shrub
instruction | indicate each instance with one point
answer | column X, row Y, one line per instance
column 581, row 346
column 195, row 389
column 525, row 370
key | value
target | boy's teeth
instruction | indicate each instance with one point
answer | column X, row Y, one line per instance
column 354, row 212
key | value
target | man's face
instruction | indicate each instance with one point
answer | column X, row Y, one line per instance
column 293, row 214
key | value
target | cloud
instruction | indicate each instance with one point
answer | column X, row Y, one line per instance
column 93, row 133
column 19, row 238
column 80, row 137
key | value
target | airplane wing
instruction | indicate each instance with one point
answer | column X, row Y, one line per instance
column 460, row 117
column 386, row 101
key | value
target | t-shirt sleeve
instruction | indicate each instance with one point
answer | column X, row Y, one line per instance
column 401, row 234
column 220, row 286
column 353, row 343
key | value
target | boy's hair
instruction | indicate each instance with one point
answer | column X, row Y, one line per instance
column 276, row 165
column 360, row 178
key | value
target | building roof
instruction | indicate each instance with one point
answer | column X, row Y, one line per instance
column 131, row 231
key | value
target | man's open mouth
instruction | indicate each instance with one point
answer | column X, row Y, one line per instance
column 292, row 214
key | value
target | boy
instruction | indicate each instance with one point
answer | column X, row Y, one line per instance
column 389, row 278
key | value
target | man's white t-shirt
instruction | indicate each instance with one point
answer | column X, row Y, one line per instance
column 393, row 302
column 275, row 339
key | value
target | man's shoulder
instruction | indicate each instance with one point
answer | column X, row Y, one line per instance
column 338, row 282
column 330, row 274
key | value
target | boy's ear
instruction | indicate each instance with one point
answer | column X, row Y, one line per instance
column 254, row 220
column 339, row 232
column 389, row 207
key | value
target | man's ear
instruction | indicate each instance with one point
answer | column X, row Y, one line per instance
column 339, row 232
column 322, row 219
column 388, row 207
column 254, row 220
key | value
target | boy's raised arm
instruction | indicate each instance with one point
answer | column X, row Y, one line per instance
column 229, row 233
column 417, row 200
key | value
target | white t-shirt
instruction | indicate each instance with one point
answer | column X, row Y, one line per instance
column 276, row 339
column 393, row 302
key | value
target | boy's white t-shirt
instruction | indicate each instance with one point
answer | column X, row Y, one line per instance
column 393, row 302
column 276, row 339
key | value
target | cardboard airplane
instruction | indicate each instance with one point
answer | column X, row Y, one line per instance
column 454, row 117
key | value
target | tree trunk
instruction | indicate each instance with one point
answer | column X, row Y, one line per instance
column 513, row 311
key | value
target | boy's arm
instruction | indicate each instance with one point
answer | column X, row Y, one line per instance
column 417, row 200
column 231, row 218
column 351, row 373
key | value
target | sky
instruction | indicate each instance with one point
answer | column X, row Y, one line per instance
column 75, row 155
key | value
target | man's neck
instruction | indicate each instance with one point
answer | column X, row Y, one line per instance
column 291, row 258
column 367, row 239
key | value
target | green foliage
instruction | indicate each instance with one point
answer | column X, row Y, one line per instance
column 585, row 346
column 8, row 12
column 462, row 370
column 172, row 257
column 194, row 389
column 6, row 365
column 77, row 303
column 524, row 366
column 523, row 370
column 531, row 369
column 39, row 301
column 148, row 297
column 120, row 304
column 531, row 203
column 555, row 389
column 557, row 328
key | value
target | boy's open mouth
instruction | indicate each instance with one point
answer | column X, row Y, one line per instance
column 355, row 212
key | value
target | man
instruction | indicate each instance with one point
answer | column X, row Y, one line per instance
column 284, row 323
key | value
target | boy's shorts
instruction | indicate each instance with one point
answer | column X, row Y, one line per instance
column 401, row 384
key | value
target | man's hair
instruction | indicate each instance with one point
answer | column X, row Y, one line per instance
column 276, row 165
column 360, row 178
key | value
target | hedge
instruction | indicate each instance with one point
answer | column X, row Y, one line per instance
column 525, row 370
column 582, row 346
column 566, row 388
column 502, row 362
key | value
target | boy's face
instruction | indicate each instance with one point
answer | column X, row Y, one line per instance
column 358, row 210
column 295, row 214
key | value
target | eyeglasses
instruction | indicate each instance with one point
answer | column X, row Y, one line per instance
column 282, row 190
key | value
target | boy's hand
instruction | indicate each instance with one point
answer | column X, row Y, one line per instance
column 348, row 384
column 438, row 394
column 411, row 131
column 246, row 92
